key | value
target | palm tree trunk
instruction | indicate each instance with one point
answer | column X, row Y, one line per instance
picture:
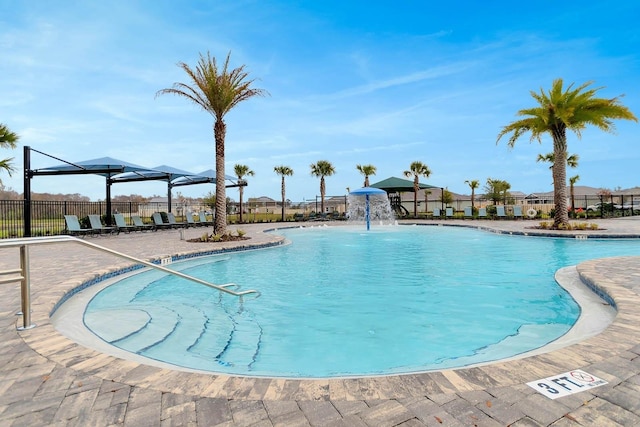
column 220, row 221
column 322, row 190
column 561, row 215
column 415, row 196
column 240, row 189
column 283, row 197
column 366, row 181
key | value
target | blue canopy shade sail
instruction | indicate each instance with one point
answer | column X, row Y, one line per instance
column 205, row 177
column 159, row 173
column 105, row 166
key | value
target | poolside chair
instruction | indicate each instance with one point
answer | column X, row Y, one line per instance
column 121, row 224
column 137, row 221
column 175, row 224
column 468, row 212
column 96, row 225
column 74, row 228
column 190, row 222
column 482, row 213
column 436, row 213
column 203, row 219
column 449, row 212
column 500, row 213
column 157, row 221
column 517, row 212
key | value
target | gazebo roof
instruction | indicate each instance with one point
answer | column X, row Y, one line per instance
column 398, row 185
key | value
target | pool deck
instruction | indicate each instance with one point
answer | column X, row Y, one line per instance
column 47, row 379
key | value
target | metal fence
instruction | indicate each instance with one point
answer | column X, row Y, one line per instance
column 47, row 217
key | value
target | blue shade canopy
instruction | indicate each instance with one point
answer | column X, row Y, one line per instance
column 105, row 166
column 367, row 190
column 162, row 172
column 208, row 176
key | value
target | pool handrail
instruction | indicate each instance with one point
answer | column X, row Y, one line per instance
column 24, row 278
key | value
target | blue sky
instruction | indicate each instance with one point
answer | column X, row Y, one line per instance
column 357, row 82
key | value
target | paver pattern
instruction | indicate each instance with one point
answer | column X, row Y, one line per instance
column 48, row 380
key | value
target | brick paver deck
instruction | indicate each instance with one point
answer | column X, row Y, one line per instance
column 47, row 379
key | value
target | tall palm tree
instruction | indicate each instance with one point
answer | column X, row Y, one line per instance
column 8, row 139
column 283, row 171
column 321, row 169
column 241, row 171
column 473, row 184
column 417, row 169
column 217, row 91
column 367, row 171
column 560, row 110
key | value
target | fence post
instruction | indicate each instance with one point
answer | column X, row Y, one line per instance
column 25, row 291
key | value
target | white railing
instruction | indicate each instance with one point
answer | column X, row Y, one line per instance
column 22, row 274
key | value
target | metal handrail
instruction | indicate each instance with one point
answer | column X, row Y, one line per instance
column 24, row 244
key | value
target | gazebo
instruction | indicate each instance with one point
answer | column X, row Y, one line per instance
column 394, row 186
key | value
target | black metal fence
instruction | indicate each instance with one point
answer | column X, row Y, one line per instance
column 47, row 217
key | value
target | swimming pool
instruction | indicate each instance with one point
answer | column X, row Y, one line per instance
column 393, row 300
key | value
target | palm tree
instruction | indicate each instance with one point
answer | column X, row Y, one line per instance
column 572, row 160
column 417, row 169
column 283, row 171
column 321, row 169
column 8, row 139
column 473, row 184
column 241, row 171
column 367, row 171
column 558, row 110
column 217, row 91
column 572, row 182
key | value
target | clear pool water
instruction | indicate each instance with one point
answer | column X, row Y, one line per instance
column 340, row 301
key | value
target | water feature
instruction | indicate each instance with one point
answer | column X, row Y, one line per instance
column 369, row 204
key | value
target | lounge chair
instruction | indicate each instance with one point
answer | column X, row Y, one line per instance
column 449, row 212
column 137, row 221
column 437, row 213
column 121, row 224
column 482, row 213
column 203, row 219
column 175, row 224
column 74, row 228
column 500, row 213
column 468, row 212
column 517, row 211
column 190, row 222
column 96, row 225
column 157, row 221
column 298, row 216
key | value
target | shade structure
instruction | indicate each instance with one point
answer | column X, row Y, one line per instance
column 206, row 177
column 158, row 173
column 114, row 170
column 161, row 173
column 104, row 166
column 399, row 185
